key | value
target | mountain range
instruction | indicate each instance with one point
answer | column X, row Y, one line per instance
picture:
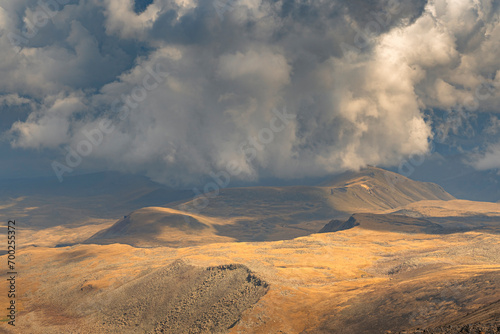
column 361, row 252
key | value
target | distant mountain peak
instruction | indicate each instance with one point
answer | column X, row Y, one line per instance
column 376, row 188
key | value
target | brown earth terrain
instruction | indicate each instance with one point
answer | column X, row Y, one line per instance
column 351, row 281
column 404, row 266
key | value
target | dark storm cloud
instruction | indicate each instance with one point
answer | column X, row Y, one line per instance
column 356, row 75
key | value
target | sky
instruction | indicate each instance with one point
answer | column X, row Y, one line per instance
column 177, row 90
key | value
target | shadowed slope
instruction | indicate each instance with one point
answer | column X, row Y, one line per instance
column 484, row 314
column 408, row 223
column 414, row 298
column 455, row 208
column 154, row 226
column 391, row 223
column 485, row 320
column 267, row 213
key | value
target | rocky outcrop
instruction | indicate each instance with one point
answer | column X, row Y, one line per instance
column 339, row 225
column 181, row 298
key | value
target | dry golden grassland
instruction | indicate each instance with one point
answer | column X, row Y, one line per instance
column 341, row 280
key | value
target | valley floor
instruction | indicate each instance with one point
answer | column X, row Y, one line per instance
column 353, row 281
